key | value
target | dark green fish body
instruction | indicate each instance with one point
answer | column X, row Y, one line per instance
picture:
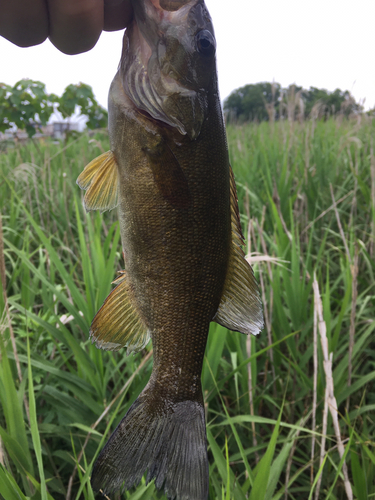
column 168, row 171
column 176, row 246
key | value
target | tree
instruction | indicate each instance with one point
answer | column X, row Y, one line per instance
column 253, row 102
column 292, row 105
column 331, row 102
column 82, row 95
column 27, row 105
column 268, row 101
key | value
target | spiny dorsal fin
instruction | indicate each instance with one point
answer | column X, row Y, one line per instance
column 100, row 178
column 240, row 308
column 117, row 324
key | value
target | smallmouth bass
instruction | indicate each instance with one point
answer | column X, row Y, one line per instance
column 168, row 173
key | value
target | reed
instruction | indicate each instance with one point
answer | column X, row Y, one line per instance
column 306, row 196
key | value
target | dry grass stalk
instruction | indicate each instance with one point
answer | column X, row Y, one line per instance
column 7, row 313
column 291, row 102
column 301, row 106
column 339, row 224
column 326, row 211
column 251, row 395
column 317, row 111
column 36, row 192
column 354, row 271
column 372, row 241
column 270, row 106
column 330, row 395
column 323, row 443
column 105, row 412
column 276, row 199
column 353, row 210
column 2, row 260
column 5, row 299
column 84, row 472
column 248, row 340
column 269, row 327
column 253, row 235
column 315, row 381
column 301, row 424
column 247, row 209
column 307, row 153
column 253, row 259
column 266, row 312
column 248, row 351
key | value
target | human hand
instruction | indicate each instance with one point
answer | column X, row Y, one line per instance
column 73, row 26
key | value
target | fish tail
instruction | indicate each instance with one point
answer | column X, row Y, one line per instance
column 169, row 442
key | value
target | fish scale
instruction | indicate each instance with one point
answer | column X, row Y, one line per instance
column 168, row 173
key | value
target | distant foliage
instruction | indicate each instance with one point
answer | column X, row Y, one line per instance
column 27, row 106
column 267, row 101
column 82, row 95
column 251, row 102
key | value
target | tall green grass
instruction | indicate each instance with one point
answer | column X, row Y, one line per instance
column 60, row 397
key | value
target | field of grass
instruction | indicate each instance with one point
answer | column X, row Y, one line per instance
column 290, row 414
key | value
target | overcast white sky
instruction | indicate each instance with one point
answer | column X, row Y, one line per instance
column 322, row 43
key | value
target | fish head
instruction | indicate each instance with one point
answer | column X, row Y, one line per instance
column 168, row 62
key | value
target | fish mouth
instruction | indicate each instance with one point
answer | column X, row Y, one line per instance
column 170, row 5
column 159, row 67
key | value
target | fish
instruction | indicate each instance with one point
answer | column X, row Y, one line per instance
column 168, row 174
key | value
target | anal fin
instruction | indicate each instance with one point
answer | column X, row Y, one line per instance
column 100, row 180
column 117, row 324
column 240, row 308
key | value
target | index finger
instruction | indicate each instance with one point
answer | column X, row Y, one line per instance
column 24, row 22
column 117, row 14
column 75, row 25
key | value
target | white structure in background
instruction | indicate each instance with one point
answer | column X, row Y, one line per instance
column 56, row 130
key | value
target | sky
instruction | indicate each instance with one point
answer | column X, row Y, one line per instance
column 321, row 43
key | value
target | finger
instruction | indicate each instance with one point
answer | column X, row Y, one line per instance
column 117, row 14
column 75, row 25
column 24, row 22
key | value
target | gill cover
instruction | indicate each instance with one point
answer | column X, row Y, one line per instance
column 168, row 62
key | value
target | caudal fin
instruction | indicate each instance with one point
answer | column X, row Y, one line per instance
column 170, row 444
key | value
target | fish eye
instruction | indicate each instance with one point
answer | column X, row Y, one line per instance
column 205, row 42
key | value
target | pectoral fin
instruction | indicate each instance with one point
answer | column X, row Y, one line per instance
column 240, row 308
column 100, row 179
column 117, row 324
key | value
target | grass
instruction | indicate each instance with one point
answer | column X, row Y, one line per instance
column 307, row 201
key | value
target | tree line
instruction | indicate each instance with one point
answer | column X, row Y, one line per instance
column 28, row 106
column 267, row 101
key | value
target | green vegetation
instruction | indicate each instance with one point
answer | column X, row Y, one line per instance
column 268, row 411
column 269, row 101
column 27, row 105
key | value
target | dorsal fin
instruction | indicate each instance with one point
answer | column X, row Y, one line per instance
column 100, row 179
column 240, row 308
column 117, row 324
